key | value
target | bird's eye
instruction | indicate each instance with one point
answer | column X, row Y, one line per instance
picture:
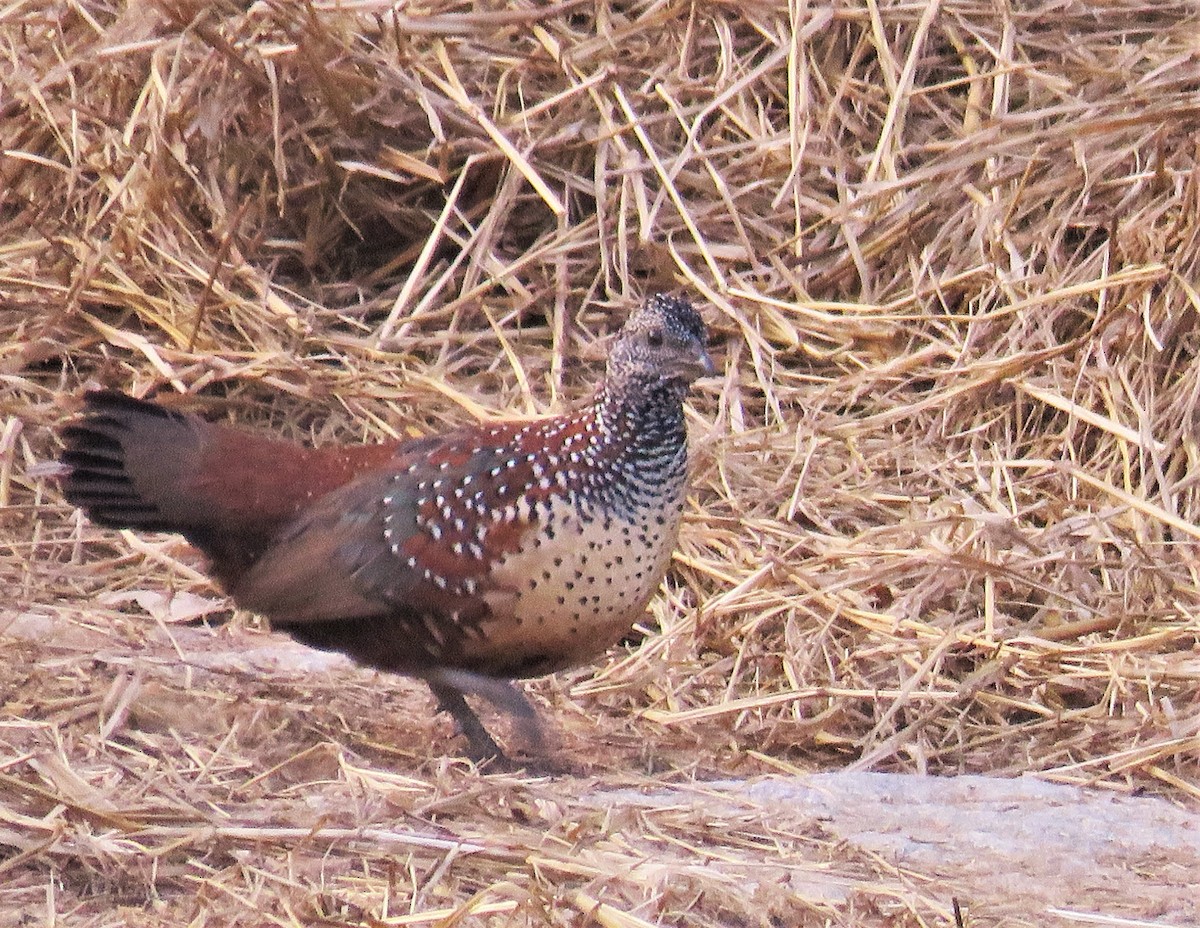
column 654, row 339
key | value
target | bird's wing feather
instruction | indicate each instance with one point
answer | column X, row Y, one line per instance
column 370, row 548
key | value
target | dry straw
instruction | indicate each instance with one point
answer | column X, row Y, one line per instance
column 944, row 515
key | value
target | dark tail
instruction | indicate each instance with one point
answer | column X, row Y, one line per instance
column 128, row 459
column 135, row 464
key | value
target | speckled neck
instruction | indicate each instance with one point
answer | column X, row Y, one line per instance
column 642, row 442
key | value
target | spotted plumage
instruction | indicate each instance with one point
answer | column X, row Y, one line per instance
column 492, row 552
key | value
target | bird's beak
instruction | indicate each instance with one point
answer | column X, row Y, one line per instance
column 704, row 363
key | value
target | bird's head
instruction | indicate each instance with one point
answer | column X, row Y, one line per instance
column 664, row 340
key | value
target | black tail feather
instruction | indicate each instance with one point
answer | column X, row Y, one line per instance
column 97, row 451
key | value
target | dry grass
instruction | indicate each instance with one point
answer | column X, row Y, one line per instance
column 943, row 520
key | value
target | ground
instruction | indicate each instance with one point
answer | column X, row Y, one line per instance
column 192, row 761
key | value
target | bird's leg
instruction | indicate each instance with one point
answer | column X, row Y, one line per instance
column 448, row 687
column 480, row 745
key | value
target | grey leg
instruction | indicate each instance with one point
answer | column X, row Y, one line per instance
column 448, row 687
column 480, row 745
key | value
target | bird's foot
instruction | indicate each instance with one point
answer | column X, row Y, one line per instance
column 448, row 687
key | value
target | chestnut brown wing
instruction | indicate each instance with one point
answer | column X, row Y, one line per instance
column 389, row 543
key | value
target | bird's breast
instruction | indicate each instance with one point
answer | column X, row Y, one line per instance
column 582, row 576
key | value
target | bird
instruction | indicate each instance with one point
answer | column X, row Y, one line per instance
column 497, row 551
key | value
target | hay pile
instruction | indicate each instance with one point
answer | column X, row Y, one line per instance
column 944, row 517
